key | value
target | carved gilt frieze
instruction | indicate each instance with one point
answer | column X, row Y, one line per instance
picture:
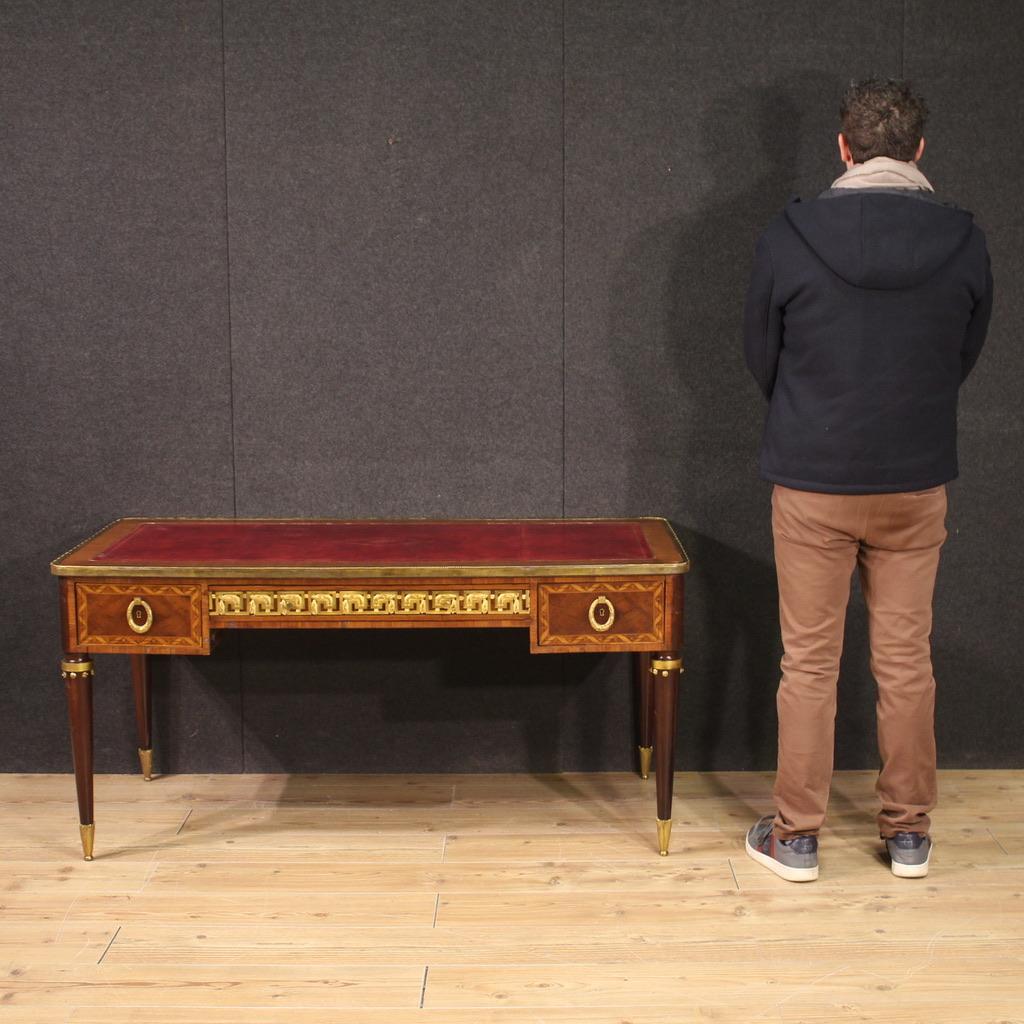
column 335, row 603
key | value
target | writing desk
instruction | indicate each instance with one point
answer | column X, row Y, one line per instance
column 167, row 586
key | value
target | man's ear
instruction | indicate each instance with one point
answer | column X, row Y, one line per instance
column 920, row 150
column 844, row 150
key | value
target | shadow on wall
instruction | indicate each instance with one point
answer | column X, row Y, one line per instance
column 398, row 700
column 678, row 302
column 402, row 700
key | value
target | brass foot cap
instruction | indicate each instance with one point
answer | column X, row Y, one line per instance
column 664, row 831
column 88, row 835
column 645, row 761
column 146, row 762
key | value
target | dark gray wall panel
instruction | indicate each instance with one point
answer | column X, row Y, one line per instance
column 395, row 212
column 394, row 180
column 115, row 380
column 966, row 60
column 687, row 127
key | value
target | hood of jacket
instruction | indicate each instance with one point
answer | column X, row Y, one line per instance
column 881, row 238
column 883, row 172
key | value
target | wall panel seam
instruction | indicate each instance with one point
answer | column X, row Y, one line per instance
column 564, row 4
column 227, row 256
column 231, row 361
column 903, row 34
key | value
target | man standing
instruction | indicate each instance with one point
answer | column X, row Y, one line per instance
column 866, row 310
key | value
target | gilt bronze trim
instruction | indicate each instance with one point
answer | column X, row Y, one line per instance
column 356, row 571
column 330, row 604
column 88, row 833
column 666, row 665
column 664, row 833
column 80, row 668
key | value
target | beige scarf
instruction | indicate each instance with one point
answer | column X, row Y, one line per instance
column 884, row 172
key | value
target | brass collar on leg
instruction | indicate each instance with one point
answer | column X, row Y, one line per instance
column 146, row 763
column 76, row 668
column 666, row 665
column 645, row 761
column 88, row 835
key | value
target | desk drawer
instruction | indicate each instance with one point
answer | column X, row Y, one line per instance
column 151, row 615
column 599, row 615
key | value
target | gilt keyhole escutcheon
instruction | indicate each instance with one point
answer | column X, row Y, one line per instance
column 601, row 614
column 140, row 616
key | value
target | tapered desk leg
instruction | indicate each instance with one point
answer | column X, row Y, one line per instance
column 143, row 713
column 77, row 672
column 645, row 694
column 665, row 669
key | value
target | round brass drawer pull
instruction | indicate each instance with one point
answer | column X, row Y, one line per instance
column 601, row 625
column 147, row 621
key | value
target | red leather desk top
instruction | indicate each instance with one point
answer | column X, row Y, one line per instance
column 376, row 543
column 199, row 546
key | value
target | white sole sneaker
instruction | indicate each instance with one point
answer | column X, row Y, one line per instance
column 912, row 870
column 788, row 873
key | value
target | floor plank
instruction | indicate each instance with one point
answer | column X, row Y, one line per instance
column 508, row 899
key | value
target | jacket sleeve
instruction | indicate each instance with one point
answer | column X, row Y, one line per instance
column 762, row 321
column 977, row 326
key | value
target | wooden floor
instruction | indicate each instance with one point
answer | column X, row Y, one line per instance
column 495, row 900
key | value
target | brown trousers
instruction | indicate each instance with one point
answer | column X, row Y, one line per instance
column 894, row 540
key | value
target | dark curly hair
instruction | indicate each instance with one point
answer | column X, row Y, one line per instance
column 882, row 117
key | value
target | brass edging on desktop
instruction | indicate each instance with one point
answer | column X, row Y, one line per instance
column 362, row 571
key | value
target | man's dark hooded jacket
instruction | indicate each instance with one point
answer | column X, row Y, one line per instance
column 866, row 310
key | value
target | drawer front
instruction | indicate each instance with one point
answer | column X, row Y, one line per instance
column 600, row 614
column 151, row 615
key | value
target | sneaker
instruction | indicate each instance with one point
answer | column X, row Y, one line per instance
column 794, row 859
column 909, row 853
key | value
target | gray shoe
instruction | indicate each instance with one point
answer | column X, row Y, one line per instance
column 909, row 853
column 794, row 859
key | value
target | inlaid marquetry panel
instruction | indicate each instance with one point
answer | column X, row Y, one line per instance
column 602, row 614
column 152, row 615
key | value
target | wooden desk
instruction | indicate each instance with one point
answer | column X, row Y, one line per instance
column 167, row 586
